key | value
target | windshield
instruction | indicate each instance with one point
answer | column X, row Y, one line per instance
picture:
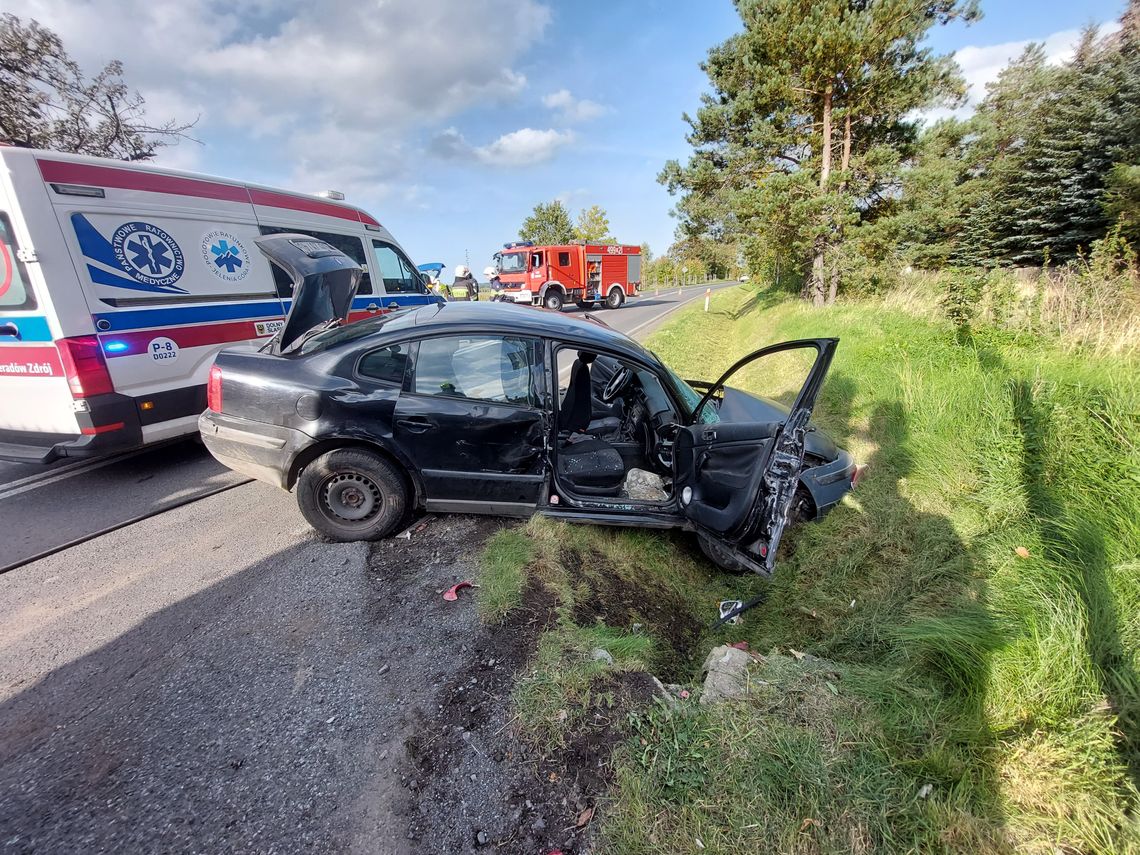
column 689, row 396
column 512, row 262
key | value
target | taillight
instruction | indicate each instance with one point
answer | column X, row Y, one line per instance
column 84, row 366
column 214, row 389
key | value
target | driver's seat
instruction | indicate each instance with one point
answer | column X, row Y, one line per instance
column 590, row 465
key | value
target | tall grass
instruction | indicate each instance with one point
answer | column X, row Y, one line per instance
column 981, row 591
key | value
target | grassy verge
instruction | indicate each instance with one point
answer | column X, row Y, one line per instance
column 978, row 603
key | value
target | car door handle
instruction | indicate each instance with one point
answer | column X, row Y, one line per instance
column 373, row 308
column 393, row 305
column 415, row 424
column 10, row 329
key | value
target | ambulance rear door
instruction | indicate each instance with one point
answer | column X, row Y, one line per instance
column 36, row 405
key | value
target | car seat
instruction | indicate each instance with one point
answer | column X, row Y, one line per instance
column 590, row 465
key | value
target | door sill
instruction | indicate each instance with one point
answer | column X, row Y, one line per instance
column 626, row 517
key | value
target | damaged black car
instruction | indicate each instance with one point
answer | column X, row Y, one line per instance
column 478, row 408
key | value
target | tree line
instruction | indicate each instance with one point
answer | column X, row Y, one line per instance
column 811, row 163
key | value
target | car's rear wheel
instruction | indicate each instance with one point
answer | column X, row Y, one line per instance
column 553, row 300
column 352, row 494
column 615, row 298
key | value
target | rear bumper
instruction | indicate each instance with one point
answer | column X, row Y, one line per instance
column 256, row 449
column 829, row 483
column 110, row 424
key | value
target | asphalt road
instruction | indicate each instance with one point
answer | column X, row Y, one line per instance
column 213, row 678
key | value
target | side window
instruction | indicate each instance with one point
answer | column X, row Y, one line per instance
column 398, row 274
column 387, row 364
column 563, row 259
column 350, row 245
column 483, row 368
column 536, row 259
column 15, row 290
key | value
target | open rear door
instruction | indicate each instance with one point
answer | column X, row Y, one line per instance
column 736, row 479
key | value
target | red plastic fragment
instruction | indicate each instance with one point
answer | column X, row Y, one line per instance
column 740, row 645
column 452, row 593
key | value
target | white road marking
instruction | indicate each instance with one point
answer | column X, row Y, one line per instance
column 54, row 476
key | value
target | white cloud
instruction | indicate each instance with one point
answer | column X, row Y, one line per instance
column 981, row 64
column 337, row 88
column 571, row 109
column 524, row 147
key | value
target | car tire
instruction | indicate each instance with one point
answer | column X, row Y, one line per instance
column 553, row 300
column 721, row 557
column 615, row 298
column 352, row 494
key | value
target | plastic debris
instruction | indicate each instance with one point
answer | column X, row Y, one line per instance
column 452, row 593
column 740, row 645
column 1022, row 552
column 728, row 607
column 925, row 790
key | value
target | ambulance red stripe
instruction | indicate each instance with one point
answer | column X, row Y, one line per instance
column 192, row 336
column 65, row 172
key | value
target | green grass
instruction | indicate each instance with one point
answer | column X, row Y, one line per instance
column 504, row 563
column 1007, row 684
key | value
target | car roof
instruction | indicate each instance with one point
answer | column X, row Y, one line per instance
column 581, row 328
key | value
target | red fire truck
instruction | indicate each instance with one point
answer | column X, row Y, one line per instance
column 577, row 272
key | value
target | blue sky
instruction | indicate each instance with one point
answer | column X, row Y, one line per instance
column 449, row 119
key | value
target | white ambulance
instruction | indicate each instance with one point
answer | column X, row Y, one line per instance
column 119, row 282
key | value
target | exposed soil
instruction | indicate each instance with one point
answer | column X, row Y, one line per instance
column 473, row 783
column 617, row 602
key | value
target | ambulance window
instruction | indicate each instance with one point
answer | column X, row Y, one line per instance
column 351, row 246
column 563, row 259
column 15, row 290
column 397, row 272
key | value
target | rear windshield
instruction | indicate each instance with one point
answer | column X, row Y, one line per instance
column 15, row 290
column 357, row 330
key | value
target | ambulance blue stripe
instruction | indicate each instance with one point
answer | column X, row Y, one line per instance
column 172, row 316
column 31, row 327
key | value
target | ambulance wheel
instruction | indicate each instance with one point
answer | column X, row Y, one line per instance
column 553, row 300
column 615, row 298
column 352, row 494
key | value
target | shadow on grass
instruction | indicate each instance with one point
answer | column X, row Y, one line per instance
column 1073, row 542
column 933, row 616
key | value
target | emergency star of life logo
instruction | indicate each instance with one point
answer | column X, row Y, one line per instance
column 147, row 254
column 225, row 255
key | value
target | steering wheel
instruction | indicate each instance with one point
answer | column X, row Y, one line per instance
column 617, row 382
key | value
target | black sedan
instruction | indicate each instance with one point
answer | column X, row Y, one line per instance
column 500, row 409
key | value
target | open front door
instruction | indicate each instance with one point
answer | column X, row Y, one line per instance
column 736, row 478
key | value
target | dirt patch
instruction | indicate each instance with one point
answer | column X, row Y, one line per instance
column 611, row 599
column 474, row 784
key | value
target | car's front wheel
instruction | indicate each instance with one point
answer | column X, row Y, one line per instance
column 352, row 494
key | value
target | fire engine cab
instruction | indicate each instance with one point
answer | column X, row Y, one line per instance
column 577, row 272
